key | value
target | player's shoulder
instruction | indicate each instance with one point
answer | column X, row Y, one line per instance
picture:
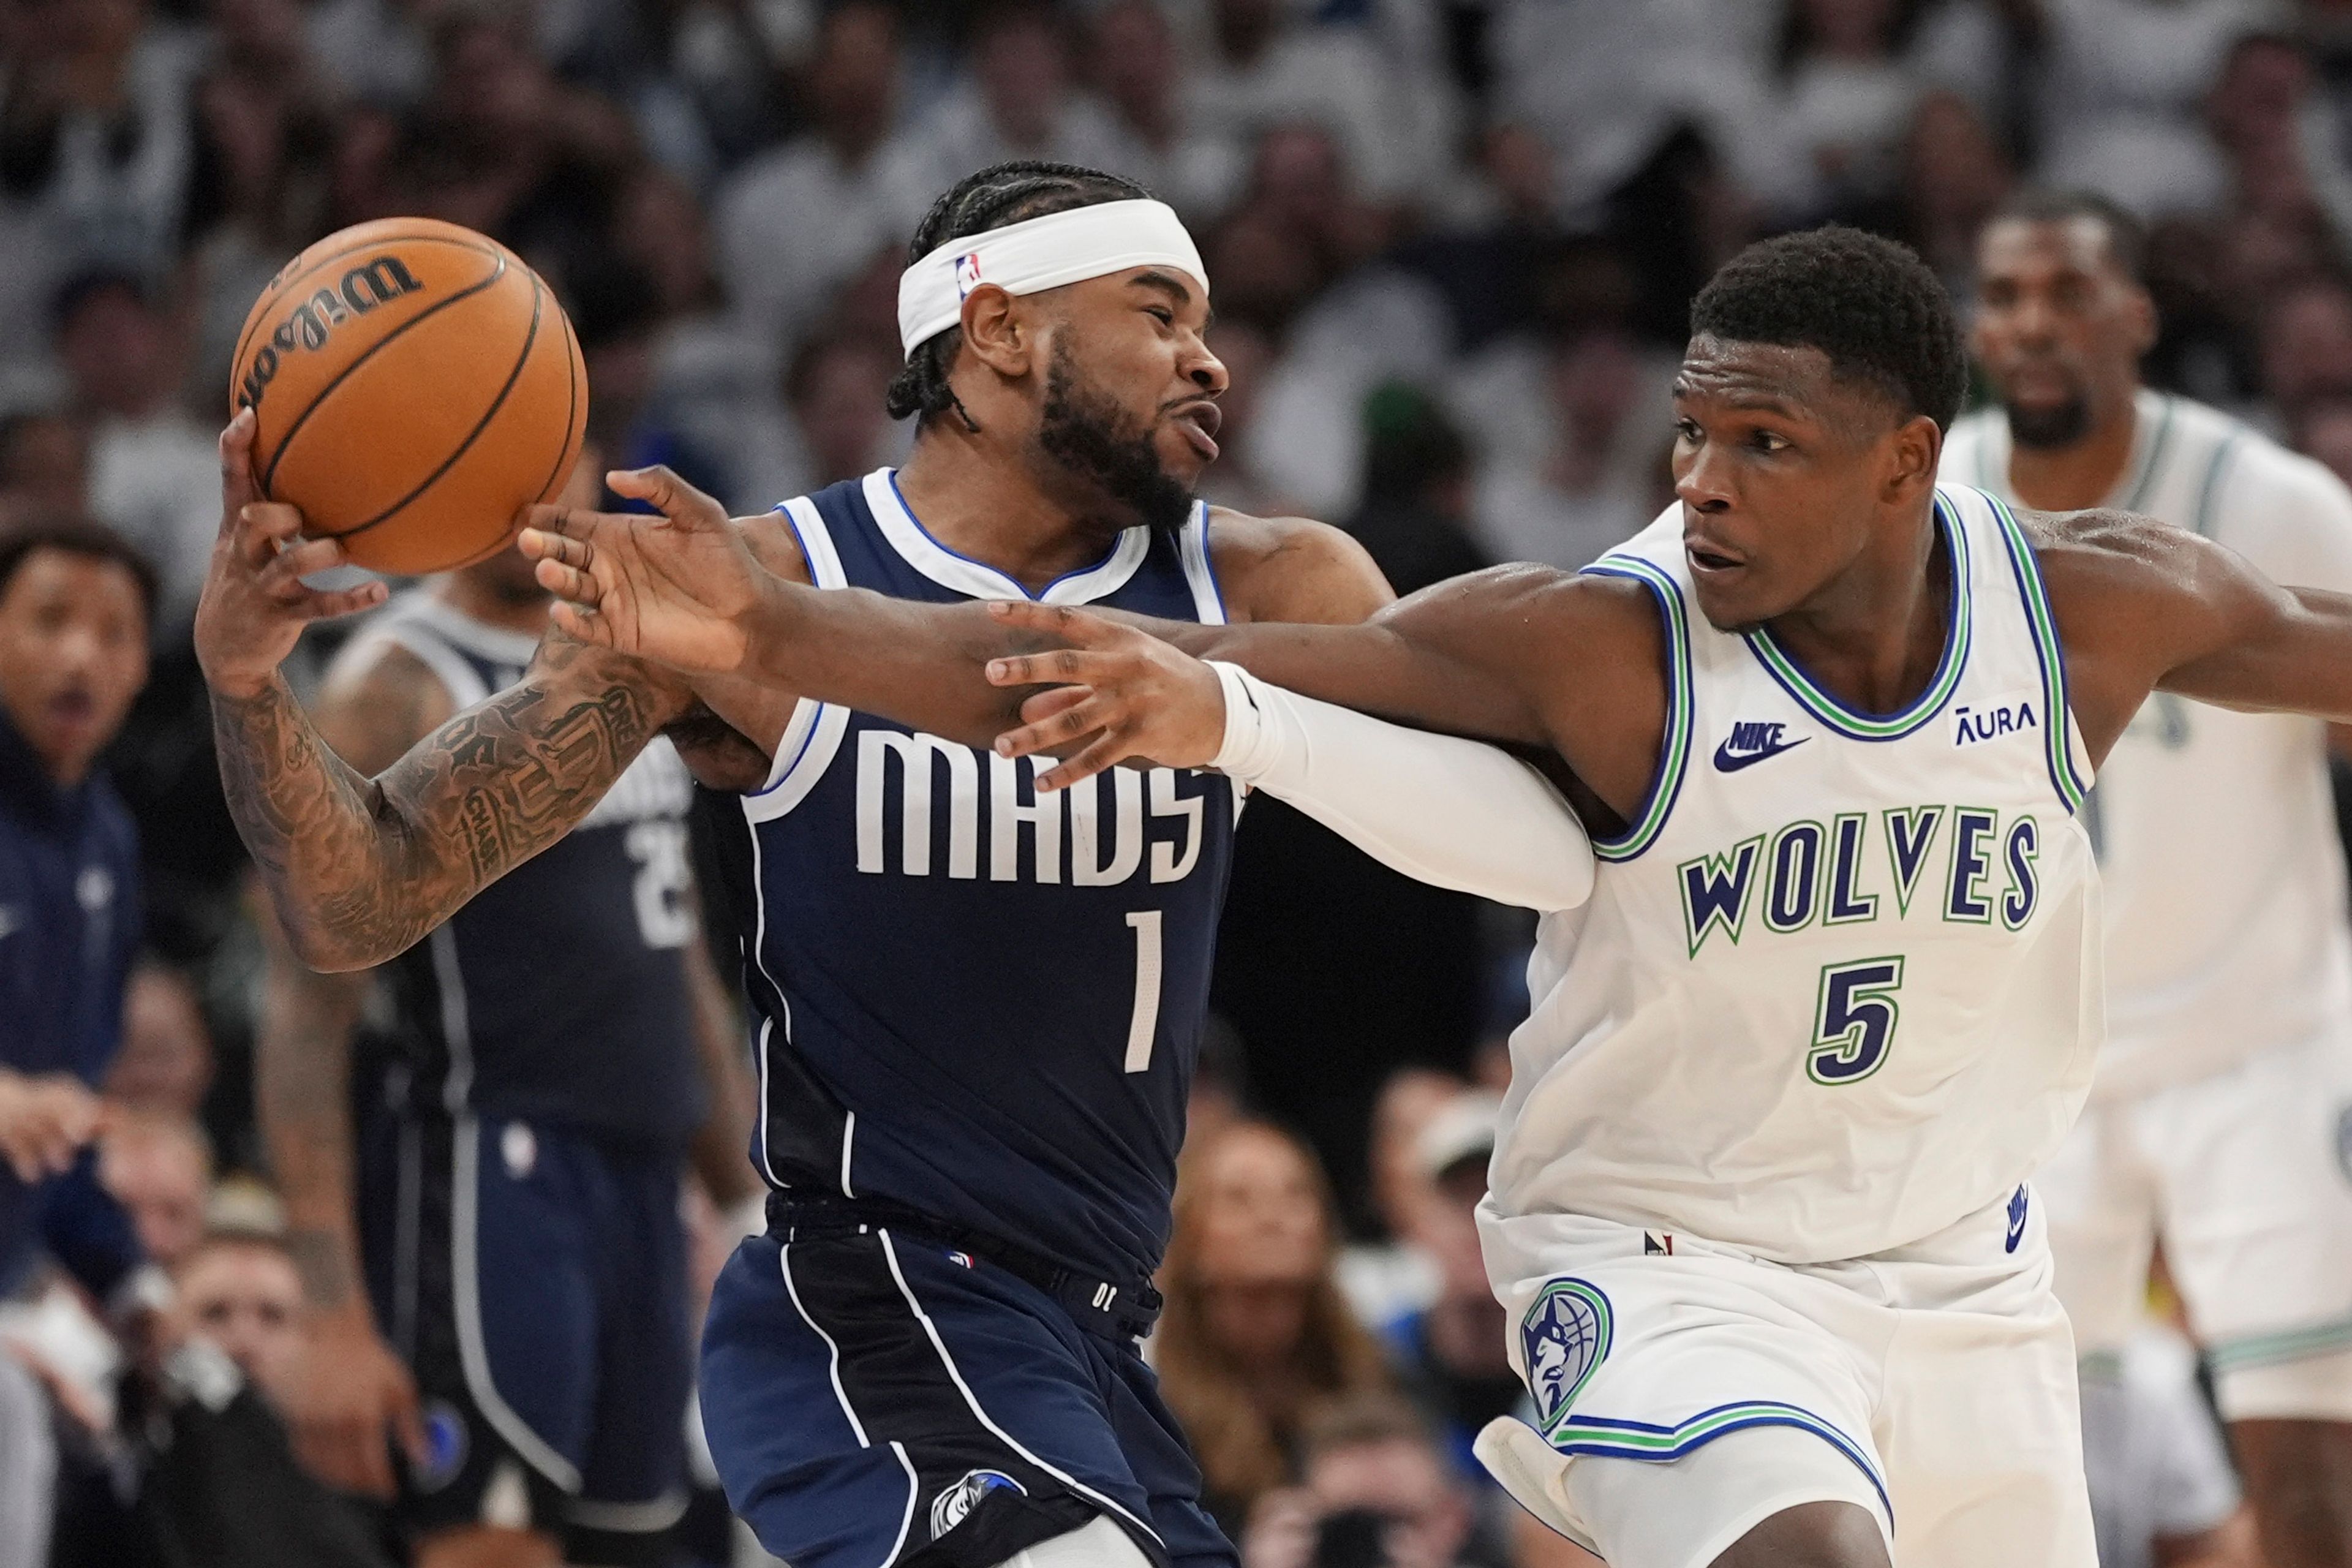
column 1292, row 569
column 775, row 544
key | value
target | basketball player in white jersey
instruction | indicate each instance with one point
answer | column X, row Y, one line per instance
column 1777, row 1288
column 2221, row 1120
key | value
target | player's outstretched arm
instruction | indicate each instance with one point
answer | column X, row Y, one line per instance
column 358, row 868
column 2142, row 607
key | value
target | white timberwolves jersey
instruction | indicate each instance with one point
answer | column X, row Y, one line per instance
column 1839, row 986
column 2215, row 831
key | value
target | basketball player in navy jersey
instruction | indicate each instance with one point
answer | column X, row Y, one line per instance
column 514, row 1188
column 979, row 1006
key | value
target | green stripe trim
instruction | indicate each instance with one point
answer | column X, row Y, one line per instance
column 2211, row 492
column 2293, row 1344
column 1889, row 727
column 2071, row 785
column 1673, row 756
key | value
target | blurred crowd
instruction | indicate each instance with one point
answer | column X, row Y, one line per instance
column 1452, row 244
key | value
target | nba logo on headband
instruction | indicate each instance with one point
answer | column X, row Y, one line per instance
column 1040, row 253
column 967, row 268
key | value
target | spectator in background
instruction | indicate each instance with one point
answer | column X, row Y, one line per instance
column 796, row 223
column 241, row 1291
column 1954, row 175
column 1264, row 70
column 1256, row 1337
column 2307, row 345
column 1394, row 1276
column 160, row 1169
column 1414, row 512
column 1376, row 1493
column 165, row 1064
column 1596, row 485
column 150, row 464
column 617, row 312
column 94, row 153
column 44, row 466
column 1015, row 103
column 1847, row 97
column 2323, row 429
column 1188, row 158
column 831, row 424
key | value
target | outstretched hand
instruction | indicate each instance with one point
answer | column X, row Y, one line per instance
column 668, row 588
column 1119, row 692
column 255, row 602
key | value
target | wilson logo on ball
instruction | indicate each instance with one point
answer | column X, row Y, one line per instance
column 309, row 324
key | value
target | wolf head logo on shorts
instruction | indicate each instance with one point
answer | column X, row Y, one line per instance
column 953, row 1506
column 1564, row 1335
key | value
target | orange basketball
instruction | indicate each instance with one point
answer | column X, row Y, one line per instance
column 415, row 386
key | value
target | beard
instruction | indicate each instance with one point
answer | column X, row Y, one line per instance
column 1088, row 435
column 2042, row 429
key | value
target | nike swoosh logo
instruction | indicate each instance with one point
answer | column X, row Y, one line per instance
column 2016, row 1234
column 1728, row 761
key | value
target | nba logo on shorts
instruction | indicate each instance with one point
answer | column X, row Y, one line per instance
column 966, row 274
column 1564, row 1336
column 953, row 1506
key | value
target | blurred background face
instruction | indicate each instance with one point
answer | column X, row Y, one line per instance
column 2059, row 327
column 1019, row 65
column 836, row 391
column 246, row 1299
column 73, row 654
column 158, row 1171
column 165, row 1064
column 1261, row 1242
column 1134, row 58
column 1406, row 1484
column 118, row 352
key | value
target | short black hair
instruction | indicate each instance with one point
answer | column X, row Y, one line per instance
column 76, row 536
column 999, row 195
column 2127, row 235
column 1871, row 305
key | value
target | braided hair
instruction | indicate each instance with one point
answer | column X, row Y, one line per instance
column 1000, row 195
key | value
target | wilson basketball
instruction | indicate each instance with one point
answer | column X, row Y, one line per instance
column 414, row 385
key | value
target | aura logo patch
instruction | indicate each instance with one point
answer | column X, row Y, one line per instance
column 1564, row 1336
column 953, row 1506
column 1974, row 723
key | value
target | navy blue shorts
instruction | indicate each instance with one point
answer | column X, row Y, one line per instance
column 533, row 1278
column 873, row 1399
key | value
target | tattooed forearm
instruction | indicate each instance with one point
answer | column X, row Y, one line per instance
column 360, row 869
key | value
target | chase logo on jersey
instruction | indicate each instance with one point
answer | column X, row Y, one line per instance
column 1564, row 1336
column 953, row 1506
column 1972, row 724
column 1846, row 871
column 1750, row 744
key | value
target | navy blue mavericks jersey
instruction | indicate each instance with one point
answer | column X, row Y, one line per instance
column 977, row 1002
column 559, row 993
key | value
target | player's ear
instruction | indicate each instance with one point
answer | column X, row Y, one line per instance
column 998, row 332
column 1918, row 446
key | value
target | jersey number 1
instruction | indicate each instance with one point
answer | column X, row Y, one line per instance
column 1143, row 1023
column 1853, row 1021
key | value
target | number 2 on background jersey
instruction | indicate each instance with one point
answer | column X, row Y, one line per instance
column 1854, row 1022
column 1143, row 1023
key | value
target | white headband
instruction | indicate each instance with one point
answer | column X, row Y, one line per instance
column 1040, row 253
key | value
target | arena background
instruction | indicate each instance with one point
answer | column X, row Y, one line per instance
column 1452, row 242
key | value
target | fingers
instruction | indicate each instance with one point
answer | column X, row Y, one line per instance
column 1043, row 705
column 1058, row 667
column 1054, row 732
column 580, row 626
column 236, row 468
column 562, row 521
column 1076, row 628
column 667, row 494
column 567, row 582
column 325, row 605
column 547, row 543
column 263, row 529
column 1107, row 753
column 408, row 1424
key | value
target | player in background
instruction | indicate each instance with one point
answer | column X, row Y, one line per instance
column 1758, row 1208
column 494, row 1256
column 2220, row 1120
column 979, row 1006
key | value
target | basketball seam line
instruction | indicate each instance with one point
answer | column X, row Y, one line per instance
column 538, row 305
column 467, row 292
column 244, row 339
column 571, row 407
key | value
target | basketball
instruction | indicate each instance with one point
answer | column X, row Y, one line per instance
column 414, row 385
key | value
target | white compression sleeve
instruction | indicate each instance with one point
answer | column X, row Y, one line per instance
column 1452, row 813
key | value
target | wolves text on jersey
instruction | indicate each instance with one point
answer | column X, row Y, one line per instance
column 1151, row 825
column 1842, row 873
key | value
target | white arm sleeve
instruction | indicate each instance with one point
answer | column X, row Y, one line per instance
column 1452, row 813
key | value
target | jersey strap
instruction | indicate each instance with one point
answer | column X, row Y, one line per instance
column 2057, row 743
column 1674, row 753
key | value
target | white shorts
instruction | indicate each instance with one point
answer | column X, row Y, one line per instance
column 1684, row 1397
column 2246, row 1176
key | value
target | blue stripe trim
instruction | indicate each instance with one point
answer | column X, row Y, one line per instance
column 1674, row 754
column 1765, row 1414
column 2058, row 748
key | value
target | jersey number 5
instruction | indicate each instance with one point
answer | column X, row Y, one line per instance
column 1854, row 1022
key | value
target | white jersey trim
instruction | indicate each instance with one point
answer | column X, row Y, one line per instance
column 906, row 534
column 815, row 731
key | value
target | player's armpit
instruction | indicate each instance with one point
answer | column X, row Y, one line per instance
column 1293, row 568
column 359, row 869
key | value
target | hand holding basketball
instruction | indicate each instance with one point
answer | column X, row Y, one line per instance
column 255, row 604
column 668, row 588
